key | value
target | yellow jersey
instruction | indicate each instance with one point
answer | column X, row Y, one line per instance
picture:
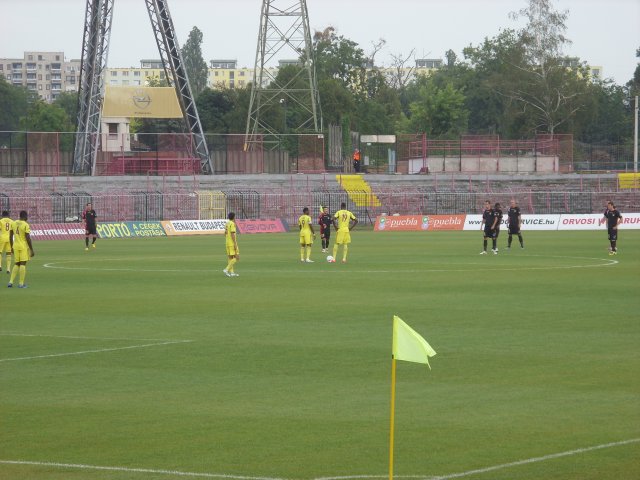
column 304, row 223
column 344, row 219
column 5, row 226
column 229, row 229
column 20, row 230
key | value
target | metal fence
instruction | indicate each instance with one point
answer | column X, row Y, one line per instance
column 603, row 157
column 51, row 154
column 253, row 204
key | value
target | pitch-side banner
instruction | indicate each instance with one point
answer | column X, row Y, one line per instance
column 130, row 229
column 394, row 223
column 275, row 225
column 596, row 221
column 529, row 222
column 57, row 231
column 194, row 227
column 446, row 222
column 141, row 102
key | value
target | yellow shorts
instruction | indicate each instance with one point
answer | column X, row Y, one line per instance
column 343, row 237
column 305, row 238
column 231, row 251
column 21, row 255
column 5, row 247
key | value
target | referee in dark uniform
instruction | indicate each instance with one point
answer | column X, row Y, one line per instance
column 614, row 219
column 90, row 226
column 325, row 221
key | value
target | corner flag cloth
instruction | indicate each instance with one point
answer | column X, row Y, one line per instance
column 408, row 345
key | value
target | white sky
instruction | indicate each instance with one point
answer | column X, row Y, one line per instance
column 605, row 33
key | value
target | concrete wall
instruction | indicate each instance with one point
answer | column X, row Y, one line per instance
column 472, row 164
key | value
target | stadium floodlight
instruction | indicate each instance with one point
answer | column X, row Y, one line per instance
column 95, row 49
column 284, row 30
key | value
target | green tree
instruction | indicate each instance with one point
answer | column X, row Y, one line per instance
column 236, row 119
column 14, row 102
column 45, row 117
column 634, row 84
column 549, row 87
column 339, row 58
column 439, row 111
column 194, row 63
column 337, row 101
column 489, row 79
column 213, row 108
column 607, row 119
column 68, row 101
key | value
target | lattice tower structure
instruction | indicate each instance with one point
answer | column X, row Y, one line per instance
column 284, row 30
column 94, row 59
column 95, row 49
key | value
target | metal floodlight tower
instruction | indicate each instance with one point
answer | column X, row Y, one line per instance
column 173, row 63
column 95, row 49
column 284, row 30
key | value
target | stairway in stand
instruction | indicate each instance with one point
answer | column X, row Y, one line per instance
column 359, row 190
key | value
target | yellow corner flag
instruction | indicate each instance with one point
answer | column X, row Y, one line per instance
column 408, row 345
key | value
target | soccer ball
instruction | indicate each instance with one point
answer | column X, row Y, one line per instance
column 329, row 259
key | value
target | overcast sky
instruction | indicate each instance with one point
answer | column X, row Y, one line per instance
column 605, row 33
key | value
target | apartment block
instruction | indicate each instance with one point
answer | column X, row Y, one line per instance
column 222, row 73
column 46, row 73
column 226, row 74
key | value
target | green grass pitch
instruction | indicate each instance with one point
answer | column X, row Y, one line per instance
column 142, row 357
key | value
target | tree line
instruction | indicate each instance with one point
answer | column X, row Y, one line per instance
column 515, row 84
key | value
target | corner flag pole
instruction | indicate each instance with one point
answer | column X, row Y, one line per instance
column 393, row 413
column 407, row 345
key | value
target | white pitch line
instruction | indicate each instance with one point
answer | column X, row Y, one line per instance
column 538, row 459
column 10, row 334
column 351, row 270
column 468, row 473
column 53, row 265
column 174, row 473
column 100, row 350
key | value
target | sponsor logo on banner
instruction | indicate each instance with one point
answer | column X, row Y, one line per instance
column 446, row 222
column 419, row 222
column 529, row 222
column 130, row 229
column 472, row 222
column 540, row 222
column 194, row 227
column 596, row 221
column 630, row 221
column 401, row 223
column 591, row 221
column 146, row 229
column 141, row 102
column 113, row 230
column 57, row 231
column 261, row 226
